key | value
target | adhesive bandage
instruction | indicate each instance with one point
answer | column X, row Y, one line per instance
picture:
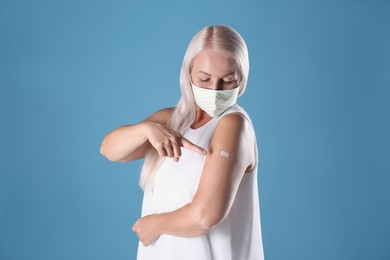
column 225, row 154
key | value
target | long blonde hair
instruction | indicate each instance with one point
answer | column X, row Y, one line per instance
column 217, row 37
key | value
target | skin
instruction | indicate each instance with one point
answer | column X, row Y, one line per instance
column 212, row 70
column 131, row 142
column 221, row 176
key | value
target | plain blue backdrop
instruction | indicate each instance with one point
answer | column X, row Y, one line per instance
column 318, row 94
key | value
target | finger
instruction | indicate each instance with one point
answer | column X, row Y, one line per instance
column 176, row 151
column 162, row 152
column 188, row 145
column 160, row 149
column 169, row 150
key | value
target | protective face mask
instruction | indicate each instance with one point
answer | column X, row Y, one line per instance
column 214, row 102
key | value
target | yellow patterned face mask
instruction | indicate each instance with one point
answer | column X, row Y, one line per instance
column 214, row 102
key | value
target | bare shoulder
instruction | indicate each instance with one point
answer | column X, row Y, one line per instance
column 235, row 134
column 161, row 116
column 233, row 124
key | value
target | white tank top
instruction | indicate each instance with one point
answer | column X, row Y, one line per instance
column 237, row 237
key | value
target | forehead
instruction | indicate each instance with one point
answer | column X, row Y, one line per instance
column 215, row 63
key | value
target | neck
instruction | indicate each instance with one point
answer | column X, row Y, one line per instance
column 201, row 118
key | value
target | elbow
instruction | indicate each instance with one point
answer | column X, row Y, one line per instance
column 105, row 153
column 108, row 156
column 102, row 152
column 103, row 149
column 206, row 219
column 109, row 150
column 203, row 227
column 206, row 227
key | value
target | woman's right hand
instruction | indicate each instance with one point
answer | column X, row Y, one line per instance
column 168, row 142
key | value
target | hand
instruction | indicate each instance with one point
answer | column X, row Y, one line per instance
column 147, row 229
column 167, row 142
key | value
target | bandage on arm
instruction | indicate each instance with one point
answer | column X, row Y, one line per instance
column 224, row 154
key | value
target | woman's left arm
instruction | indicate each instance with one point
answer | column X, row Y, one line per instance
column 230, row 155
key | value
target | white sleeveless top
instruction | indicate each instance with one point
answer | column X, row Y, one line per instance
column 237, row 237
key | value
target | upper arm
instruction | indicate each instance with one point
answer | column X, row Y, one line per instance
column 222, row 173
column 161, row 116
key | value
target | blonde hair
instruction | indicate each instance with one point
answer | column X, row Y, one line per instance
column 217, row 37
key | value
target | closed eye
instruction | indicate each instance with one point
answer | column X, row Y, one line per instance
column 230, row 81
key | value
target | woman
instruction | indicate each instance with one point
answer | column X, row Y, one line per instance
column 200, row 202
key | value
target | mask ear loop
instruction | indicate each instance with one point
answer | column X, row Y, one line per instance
column 192, row 83
column 189, row 76
column 238, row 85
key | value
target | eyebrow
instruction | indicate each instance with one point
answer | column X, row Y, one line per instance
column 201, row 71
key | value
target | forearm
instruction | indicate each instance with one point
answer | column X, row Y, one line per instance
column 123, row 141
column 187, row 221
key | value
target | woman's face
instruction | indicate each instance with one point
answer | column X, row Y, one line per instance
column 214, row 70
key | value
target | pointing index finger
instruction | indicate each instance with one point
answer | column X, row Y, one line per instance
column 188, row 145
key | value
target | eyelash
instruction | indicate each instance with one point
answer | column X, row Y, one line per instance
column 227, row 82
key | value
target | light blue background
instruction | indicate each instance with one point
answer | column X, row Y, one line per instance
column 318, row 94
